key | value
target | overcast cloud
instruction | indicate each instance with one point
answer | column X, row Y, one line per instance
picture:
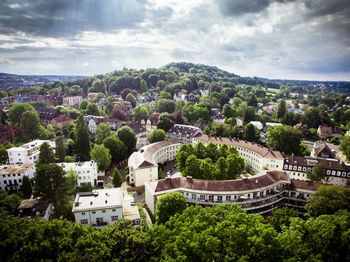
column 295, row 39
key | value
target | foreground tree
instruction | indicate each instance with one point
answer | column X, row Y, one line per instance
column 116, row 147
column 46, row 155
column 116, row 178
column 169, row 205
column 16, row 111
column 26, row 187
column 103, row 130
column 328, row 200
column 286, row 139
column 317, row 173
column 128, row 137
column 82, row 139
column 30, row 125
column 156, row 135
column 51, row 185
column 345, row 146
column 281, row 217
column 60, row 150
column 101, row 155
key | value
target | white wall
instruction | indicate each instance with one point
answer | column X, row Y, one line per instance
column 106, row 214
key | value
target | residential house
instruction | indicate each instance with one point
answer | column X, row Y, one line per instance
column 34, row 207
column 11, row 177
column 86, row 172
column 324, row 131
column 320, row 149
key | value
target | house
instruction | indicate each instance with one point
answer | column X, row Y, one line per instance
column 302, row 128
column 184, row 133
column 35, row 207
column 73, row 101
column 337, row 173
column 324, row 131
column 220, row 118
column 271, row 124
column 9, row 133
column 140, row 132
column 47, row 114
column 320, row 149
column 143, row 164
column 11, row 177
column 100, row 207
column 94, row 121
column 86, row 172
column 257, row 124
column 27, row 153
column 92, row 126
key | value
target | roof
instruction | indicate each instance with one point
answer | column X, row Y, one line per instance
column 35, row 203
column 5, row 170
column 75, row 165
column 98, row 199
column 144, row 157
column 259, row 149
column 254, row 182
column 327, row 163
column 305, row 185
column 321, row 147
column 131, row 213
column 185, row 130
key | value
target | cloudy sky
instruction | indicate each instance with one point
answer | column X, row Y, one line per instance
column 294, row 39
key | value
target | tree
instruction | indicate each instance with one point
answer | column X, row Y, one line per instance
column 16, row 111
column 30, row 125
column 71, row 176
column 345, row 146
column 128, row 137
column 132, row 99
column 103, row 130
column 51, row 185
column 140, row 111
column 165, row 105
column 98, row 86
column 250, row 133
column 82, row 139
column 26, row 187
column 156, row 135
column 227, row 111
column 169, row 205
column 285, row 138
column 92, row 109
column 8, row 205
column 60, row 149
column 165, row 122
column 281, row 109
column 117, row 148
column 101, row 155
column 281, row 217
column 3, row 154
column 46, row 155
column 83, row 105
column 317, row 173
column 116, row 178
column 328, row 200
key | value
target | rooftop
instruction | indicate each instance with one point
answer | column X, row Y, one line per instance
column 98, row 199
column 238, row 185
column 5, row 170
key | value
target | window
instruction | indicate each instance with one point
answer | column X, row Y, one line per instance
column 211, row 198
column 84, row 221
column 219, row 198
column 103, row 211
column 202, row 197
column 228, row 198
column 99, row 220
column 193, row 196
column 114, row 218
column 113, row 210
column 83, row 213
column 93, row 212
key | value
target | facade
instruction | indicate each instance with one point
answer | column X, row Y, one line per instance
column 324, row 131
column 98, row 208
column 86, row 171
column 11, row 177
column 257, row 194
column 320, row 149
column 92, row 126
column 143, row 164
column 27, row 153
column 297, row 167
column 259, row 157
column 73, row 101
column 184, row 133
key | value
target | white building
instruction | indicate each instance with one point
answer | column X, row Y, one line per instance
column 73, row 101
column 99, row 207
column 257, row 124
column 27, row 153
column 86, row 171
column 184, row 133
column 272, row 124
column 11, row 177
column 257, row 194
column 143, row 164
column 258, row 156
column 92, row 126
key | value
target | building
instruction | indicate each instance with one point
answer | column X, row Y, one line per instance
column 140, row 132
column 93, row 122
column 320, row 149
column 35, row 207
column 143, row 164
column 257, row 124
column 86, row 171
column 132, row 214
column 73, row 101
column 259, row 157
column 9, row 133
column 27, row 153
column 297, row 167
column 324, row 131
column 220, row 118
column 98, row 208
column 47, row 114
column 11, row 177
column 257, row 194
column 184, row 133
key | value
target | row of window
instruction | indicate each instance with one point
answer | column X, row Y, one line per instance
column 10, row 182
column 94, row 212
column 328, row 172
column 10, row 175
column 99, row 220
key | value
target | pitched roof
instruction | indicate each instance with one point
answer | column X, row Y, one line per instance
column 251, row 183
column 306, row 185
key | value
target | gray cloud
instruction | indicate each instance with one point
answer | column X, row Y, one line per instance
column 66, row 18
